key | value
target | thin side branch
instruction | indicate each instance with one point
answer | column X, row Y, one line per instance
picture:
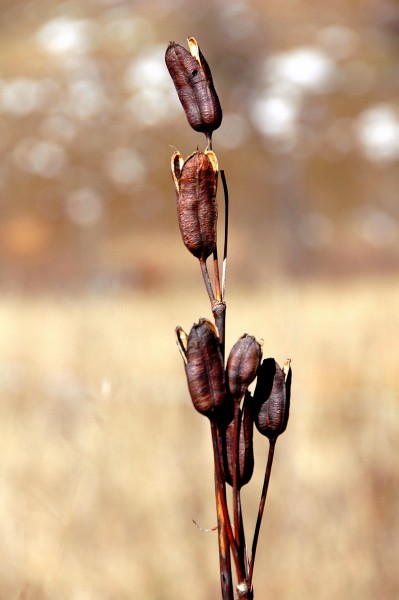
column 226, row 230
column 272, row 445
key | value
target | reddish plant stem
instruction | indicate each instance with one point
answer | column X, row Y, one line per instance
column 215, row 437
column 226, row 581
column 225, row 532
column 207, row 281
column 218, row 292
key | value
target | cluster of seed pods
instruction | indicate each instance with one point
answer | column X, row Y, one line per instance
column 215, row 391
column 220, row 391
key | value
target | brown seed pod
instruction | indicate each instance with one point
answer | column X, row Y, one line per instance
column 245, row 449
column 194, row 85
column 242, row 364
column 272, row 398
column 204, row 367
column 196, row 186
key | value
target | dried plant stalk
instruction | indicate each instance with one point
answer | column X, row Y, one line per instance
column 218, row 392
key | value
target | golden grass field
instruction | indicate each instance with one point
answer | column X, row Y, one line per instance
column 104, row 462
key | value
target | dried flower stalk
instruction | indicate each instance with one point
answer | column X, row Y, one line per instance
column 218, row 392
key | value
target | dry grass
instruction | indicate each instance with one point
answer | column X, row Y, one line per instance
column 104, row 462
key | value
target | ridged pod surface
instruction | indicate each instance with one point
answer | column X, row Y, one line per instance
column 204, row 367
column 192, row 78
column 242, row 364
column 245, row 449
column 272, row 398
column 196, row 181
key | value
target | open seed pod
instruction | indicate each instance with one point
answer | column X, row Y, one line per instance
column 272, row 398
column 242, row 364
column 196, row 181
column 204, row 367
column 192, row 78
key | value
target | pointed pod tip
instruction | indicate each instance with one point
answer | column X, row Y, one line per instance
column 176, row 165
column 287, row 368
column 182, row 341
column 213, row 159
column 194, row 48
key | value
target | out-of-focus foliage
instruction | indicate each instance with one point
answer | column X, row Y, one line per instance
column 309, row 140
column 104, row 462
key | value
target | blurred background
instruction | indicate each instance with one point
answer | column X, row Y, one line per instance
column 103, row 460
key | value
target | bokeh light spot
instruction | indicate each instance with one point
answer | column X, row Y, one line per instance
column 39, row 156
column 84, row 206
column 125, row 167
column 63, row 34
column 378, row 132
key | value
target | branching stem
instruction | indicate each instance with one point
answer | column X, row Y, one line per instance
column 225, row 532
